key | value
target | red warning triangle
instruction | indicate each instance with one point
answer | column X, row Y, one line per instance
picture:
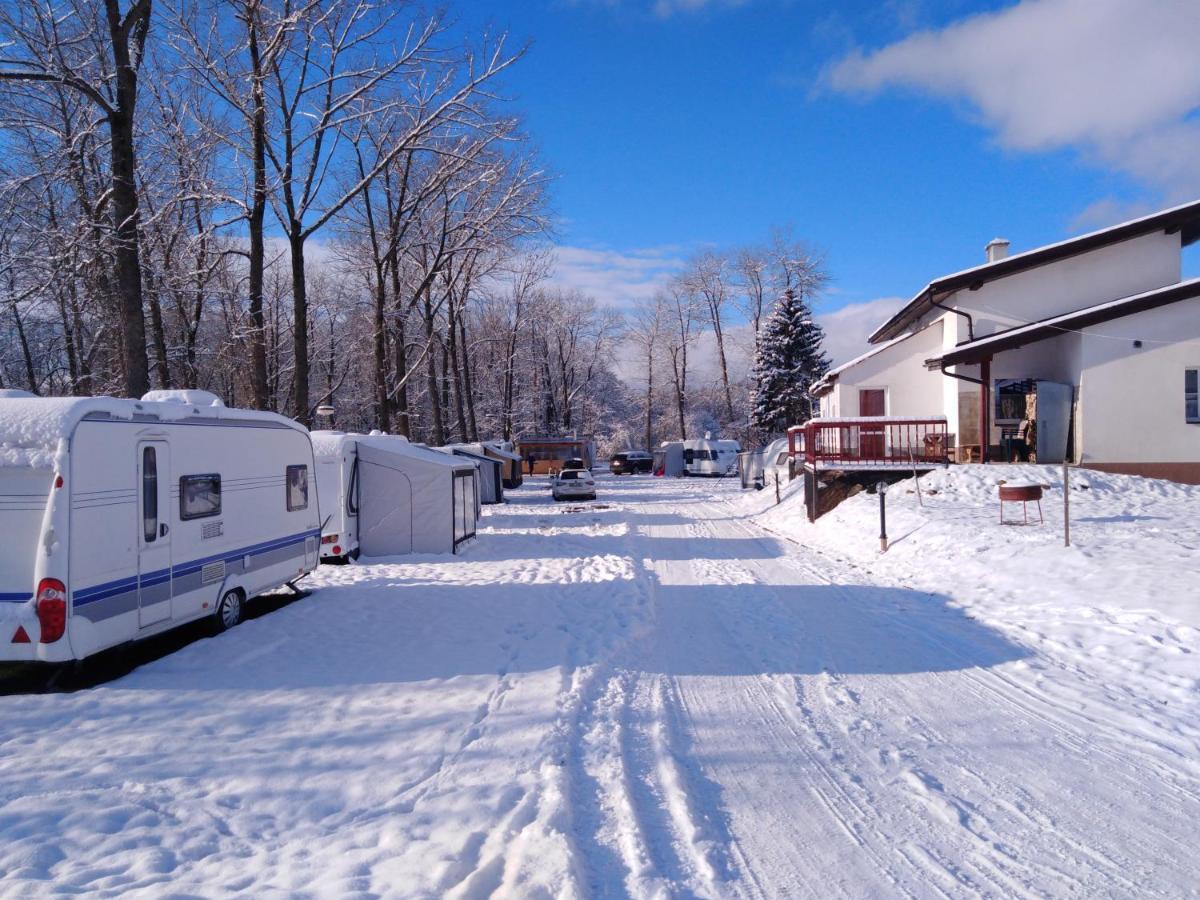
column 20, row 637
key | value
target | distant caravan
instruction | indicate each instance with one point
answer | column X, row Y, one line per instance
column 705, row 456
column 127, row 518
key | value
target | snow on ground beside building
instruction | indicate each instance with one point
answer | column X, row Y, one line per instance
column 1121, row 605
column 649, row 696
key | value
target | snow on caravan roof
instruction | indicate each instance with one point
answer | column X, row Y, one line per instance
column 31, row 427
column 331, row 443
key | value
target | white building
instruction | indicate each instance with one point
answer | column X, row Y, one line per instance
column 1095, row 339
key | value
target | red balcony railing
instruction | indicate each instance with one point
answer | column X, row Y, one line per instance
column 870, row 442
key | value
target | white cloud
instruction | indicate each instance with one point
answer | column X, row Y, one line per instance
column 616, row 278
column 1118, row 80
column 847, row 328
column 664, row 9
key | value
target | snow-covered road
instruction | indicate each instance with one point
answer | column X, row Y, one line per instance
column 650, row 696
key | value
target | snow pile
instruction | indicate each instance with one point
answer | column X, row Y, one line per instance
column 188, row 397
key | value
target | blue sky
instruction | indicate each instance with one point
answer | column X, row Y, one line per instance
column 898, row 137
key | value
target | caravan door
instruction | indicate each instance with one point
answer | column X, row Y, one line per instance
column 154, row 534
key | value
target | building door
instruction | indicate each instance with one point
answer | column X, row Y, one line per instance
column 871, row 402
column 1053, row 421
column 154, row 534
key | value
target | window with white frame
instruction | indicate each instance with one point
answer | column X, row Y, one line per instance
column 1191, row 395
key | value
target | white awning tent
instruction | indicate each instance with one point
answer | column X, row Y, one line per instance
column 413, row 499
column 491, row 471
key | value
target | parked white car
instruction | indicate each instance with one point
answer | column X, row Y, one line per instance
column 574, row 484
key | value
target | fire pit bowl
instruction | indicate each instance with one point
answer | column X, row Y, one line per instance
column 1024, row 494
column 1020, row 492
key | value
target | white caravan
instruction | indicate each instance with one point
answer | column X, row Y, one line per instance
column 704, row 456
column 405, row 498
column 126, row 518
column 767, row 465
column 336, row 456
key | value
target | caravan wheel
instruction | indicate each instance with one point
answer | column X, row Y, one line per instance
column 229, row 610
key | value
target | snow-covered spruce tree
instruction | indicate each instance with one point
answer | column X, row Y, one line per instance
column 789, row 361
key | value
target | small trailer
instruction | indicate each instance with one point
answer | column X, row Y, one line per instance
column 705, row 456
column 127, row 518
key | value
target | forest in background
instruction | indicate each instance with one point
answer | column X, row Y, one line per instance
column 303, row 205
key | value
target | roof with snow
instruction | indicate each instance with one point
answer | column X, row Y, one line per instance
column 1011, row 338
column 38, row 423
column 1183, row 219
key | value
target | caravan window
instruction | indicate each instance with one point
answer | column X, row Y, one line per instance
column 199, row 496
column 149, row 495
column 297, row 488
column 1191, row 395
column 352, row 493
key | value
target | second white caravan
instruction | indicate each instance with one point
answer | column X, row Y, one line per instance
column 125, row 518
column 704, row 456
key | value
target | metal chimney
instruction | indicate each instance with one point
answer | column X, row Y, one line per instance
column 997, row 249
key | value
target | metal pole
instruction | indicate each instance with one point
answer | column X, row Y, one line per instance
column 883, row 540
column 1066, row 505
column 777, row 498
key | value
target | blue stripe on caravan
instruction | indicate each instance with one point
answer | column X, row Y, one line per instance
column 122, row 585
column 86, row 594
column 20, row 597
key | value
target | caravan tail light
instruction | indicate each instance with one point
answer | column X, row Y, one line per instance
column 329, row 539
column 51, row 607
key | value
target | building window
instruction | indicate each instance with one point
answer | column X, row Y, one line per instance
column 1191, row 395
column 199, row 496
column 297, row 488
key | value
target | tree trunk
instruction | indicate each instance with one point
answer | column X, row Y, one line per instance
column 720, row 335
column 124, row 196
column 403, row 420
column 456, row 365
column 161, row 364
column 472, row 422
column 650, row 399
column 382, row 403
column 435, row 400
column 299, row 326
column 258, row 209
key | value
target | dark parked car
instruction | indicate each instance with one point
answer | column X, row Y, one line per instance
column 631, row 462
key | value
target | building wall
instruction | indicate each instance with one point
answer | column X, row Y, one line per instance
column 1131, row 399
column 912, row 390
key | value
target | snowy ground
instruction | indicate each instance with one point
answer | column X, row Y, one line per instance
column 679, row 691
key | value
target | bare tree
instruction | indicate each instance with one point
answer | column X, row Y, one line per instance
column 98, row 59
column 681, row 310
column 708, row 278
